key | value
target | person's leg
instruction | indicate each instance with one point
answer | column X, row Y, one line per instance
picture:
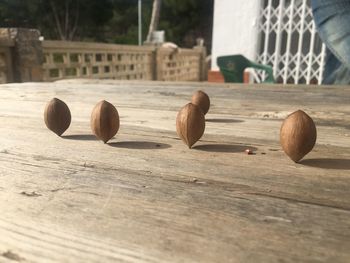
column 332, row 18
column 342, row 75
column 332, row 64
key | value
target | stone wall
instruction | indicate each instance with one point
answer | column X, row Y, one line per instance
column 27, row 56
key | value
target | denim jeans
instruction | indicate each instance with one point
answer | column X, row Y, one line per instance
column 332, row 19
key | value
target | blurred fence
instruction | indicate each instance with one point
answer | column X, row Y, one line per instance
column 108, row 61
column 92, row 60
column 181, row 64
column 53, row 60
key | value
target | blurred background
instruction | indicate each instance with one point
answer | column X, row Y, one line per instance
column 279, row 35
column 110, row 21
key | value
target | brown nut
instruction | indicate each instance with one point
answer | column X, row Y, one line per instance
column 201, row 99
column 190, row 124
column 57, row 116
column 298, row 135
column 104, row 121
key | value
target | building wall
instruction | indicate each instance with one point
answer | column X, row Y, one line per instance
column 235, row 29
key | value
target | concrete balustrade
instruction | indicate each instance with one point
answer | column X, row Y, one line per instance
column 23, row 57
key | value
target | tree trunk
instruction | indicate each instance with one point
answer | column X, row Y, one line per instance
column 154, row 19
column 66, row 22
column 57, row 20
column 64, row 17
column 72, row 33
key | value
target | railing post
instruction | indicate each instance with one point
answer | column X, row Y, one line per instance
column 154, row 64
column 6, row 68
column 203, row 70
column 27, row 53
column 159, row 63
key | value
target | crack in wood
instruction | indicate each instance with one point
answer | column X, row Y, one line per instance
column 30, row 194
column 294, row 200
column 11, row 255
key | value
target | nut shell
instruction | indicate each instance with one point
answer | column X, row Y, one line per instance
column 190, row 124
column 104, row 121
column 298, row 135
column 201, row 99
column 57, row 116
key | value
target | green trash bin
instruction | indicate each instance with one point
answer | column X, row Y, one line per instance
column 232, row 68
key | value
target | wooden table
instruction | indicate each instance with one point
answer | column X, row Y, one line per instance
column 146, row 197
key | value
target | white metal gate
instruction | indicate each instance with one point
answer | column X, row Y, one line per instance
column 289, row 42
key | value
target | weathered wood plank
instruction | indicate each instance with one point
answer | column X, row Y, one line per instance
column 146, row 198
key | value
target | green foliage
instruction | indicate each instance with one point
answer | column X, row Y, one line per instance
column 186, row 20
column 110, row 20
column 15, row 13
column 88, row 16
column 123, row 27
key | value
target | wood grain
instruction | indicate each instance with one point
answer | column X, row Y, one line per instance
column 145, row 197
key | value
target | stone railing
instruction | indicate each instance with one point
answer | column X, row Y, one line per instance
column 6, row 69
column 23, row 57
column 180, row 64
column 93, row 60
column 109, row 61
